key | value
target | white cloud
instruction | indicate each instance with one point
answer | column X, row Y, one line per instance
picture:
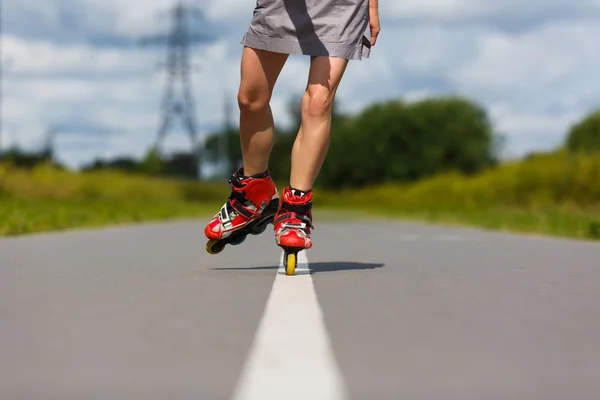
column 549, row 55
column 537, row 83
column 41, row 56
column 535, row 80
column 459, row 10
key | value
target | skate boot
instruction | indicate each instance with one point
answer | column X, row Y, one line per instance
column 293, row 224
column 251, row 207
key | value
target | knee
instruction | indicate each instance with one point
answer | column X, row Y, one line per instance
column 252, row 100
column 318, row 102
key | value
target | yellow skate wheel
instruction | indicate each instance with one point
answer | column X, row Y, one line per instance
column 290, row 266
column 214, row 247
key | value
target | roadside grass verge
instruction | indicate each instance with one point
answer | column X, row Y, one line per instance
column 550, row 194
column 18, row 216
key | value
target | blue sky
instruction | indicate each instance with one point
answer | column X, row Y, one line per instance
column 76, row 65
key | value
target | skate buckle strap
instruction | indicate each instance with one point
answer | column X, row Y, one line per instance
column 304, row 221
column 237, row 198
column 297, row 208
column 237, row 206
column 297, row 225
column 224, row 217
column 234, row 206
column 237, row 194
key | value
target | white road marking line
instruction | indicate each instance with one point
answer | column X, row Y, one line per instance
column 291, row 357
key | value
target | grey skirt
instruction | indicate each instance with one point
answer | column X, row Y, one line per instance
column 335, row 28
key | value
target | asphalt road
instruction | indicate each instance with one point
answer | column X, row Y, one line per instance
column 378, row 310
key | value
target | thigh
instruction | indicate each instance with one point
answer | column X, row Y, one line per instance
column 326, row 74
column 259, row 72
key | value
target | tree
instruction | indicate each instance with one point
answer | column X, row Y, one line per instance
column 585, row 135
column 152, row 163
column 224, row 144
column 180, row 165
column 395, row 141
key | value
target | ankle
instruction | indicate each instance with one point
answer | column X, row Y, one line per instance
column 300, row 192
column 254, row 172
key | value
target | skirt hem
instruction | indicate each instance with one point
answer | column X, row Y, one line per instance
column 277, row 45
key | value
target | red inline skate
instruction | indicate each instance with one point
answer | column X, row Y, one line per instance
column 251, row 207
column 293, row 224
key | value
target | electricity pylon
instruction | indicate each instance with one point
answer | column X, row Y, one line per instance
column 178, row 41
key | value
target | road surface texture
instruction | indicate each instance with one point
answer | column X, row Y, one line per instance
column 377, row 310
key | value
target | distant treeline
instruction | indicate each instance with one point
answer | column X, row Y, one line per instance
column 400, row 142
column 181, row 165
column 392, row 141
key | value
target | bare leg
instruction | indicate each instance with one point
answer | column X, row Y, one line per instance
column 312, row 142
column 259, row 72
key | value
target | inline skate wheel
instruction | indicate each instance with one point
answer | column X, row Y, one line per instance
column 239, row 241
column 214, row 247
column 290, row 264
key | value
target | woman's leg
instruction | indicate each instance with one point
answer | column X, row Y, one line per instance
column 259, row 72
column 312, row 141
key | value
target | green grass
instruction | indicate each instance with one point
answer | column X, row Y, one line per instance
column 44, row 199
column 552, row 194
column 18, row 216
column 554, row 222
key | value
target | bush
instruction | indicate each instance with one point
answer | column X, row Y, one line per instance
column 544, row 181
column 585, row 135
column 398, row 142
